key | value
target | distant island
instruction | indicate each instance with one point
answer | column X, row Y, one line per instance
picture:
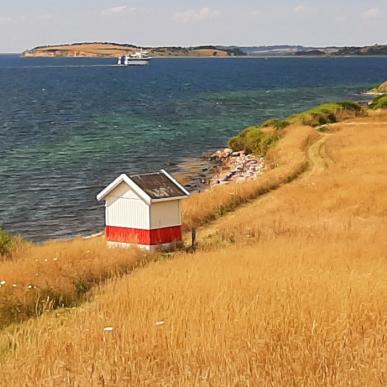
column 106, row 49
column 100, row 49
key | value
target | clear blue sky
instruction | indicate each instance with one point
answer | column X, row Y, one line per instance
column 28, row 23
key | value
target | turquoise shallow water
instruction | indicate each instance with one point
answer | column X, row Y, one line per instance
column 70, row 126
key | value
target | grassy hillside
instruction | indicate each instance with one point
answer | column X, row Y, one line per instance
column 379, row 102
column 259, row 139
column 36, row 278
column 60, row 274
column 288, row 289
column 382, row 88
column 287, row 160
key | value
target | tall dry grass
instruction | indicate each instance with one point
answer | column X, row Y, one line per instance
column 301, row 302
column 298, row 295
column 348, row 198
column 289, row 312
column 289, row 160
column 40, row 278
column 57, row 274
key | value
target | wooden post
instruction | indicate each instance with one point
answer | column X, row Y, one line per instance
column 193, row 234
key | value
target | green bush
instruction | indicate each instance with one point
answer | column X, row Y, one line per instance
column 327, row 113
column 10, row 243
column 276, row 124
column 258, row 141
column 253, row 140
column 379, row 102
column 6, row 243
column 237, row 143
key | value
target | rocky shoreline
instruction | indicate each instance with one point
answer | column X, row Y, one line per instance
column 225, row 166
column 235, row 167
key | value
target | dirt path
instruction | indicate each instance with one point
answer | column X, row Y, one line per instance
column 317, row 157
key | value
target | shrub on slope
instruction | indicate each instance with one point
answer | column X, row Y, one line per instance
column 327, row 113
column 379, row 102
column 10, row 244
column 259, row 139
column 254, row 140
column 5, row 243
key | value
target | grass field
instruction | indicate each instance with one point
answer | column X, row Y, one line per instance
column 286, row 289
column 38, row 278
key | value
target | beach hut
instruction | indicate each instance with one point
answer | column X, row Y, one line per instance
column 144, row 210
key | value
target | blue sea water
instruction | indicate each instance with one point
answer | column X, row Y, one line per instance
column 70, row 126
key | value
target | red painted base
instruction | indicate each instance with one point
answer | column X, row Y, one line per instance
column 144, row 237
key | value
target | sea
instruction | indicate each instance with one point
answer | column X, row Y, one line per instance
column 69, row 126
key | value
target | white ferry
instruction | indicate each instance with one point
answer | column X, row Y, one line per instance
column 139, row 58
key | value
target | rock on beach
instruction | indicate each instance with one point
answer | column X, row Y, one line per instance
column 235, row 166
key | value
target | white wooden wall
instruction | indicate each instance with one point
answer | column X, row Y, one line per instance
column 165, row 214
column 125, row 209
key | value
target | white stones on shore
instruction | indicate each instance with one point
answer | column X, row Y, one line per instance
column 221, row 155
column 235, row 167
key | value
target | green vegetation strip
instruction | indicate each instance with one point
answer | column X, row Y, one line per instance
column 380, row 102
column 258, row 139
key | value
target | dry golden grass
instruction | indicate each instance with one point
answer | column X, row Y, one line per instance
column 349, row 196
column 296, row 296
column 289, row 312
column 43, row 277
column 290, row 160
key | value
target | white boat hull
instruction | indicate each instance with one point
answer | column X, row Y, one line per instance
column 137, row 62
column 128, row 61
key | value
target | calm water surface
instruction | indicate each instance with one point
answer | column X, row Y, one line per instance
column 70, row 126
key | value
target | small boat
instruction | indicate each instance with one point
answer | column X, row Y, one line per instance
column 139, row 58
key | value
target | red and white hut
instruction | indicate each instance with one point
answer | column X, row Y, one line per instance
column 144, row 210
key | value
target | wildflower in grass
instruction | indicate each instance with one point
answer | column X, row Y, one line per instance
column 2, row 283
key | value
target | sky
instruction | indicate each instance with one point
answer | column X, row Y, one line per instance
column 25, row 24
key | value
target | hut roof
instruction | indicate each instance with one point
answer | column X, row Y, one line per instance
column 157, row 186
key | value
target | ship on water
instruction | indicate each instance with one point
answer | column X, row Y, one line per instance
column 139, row 58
